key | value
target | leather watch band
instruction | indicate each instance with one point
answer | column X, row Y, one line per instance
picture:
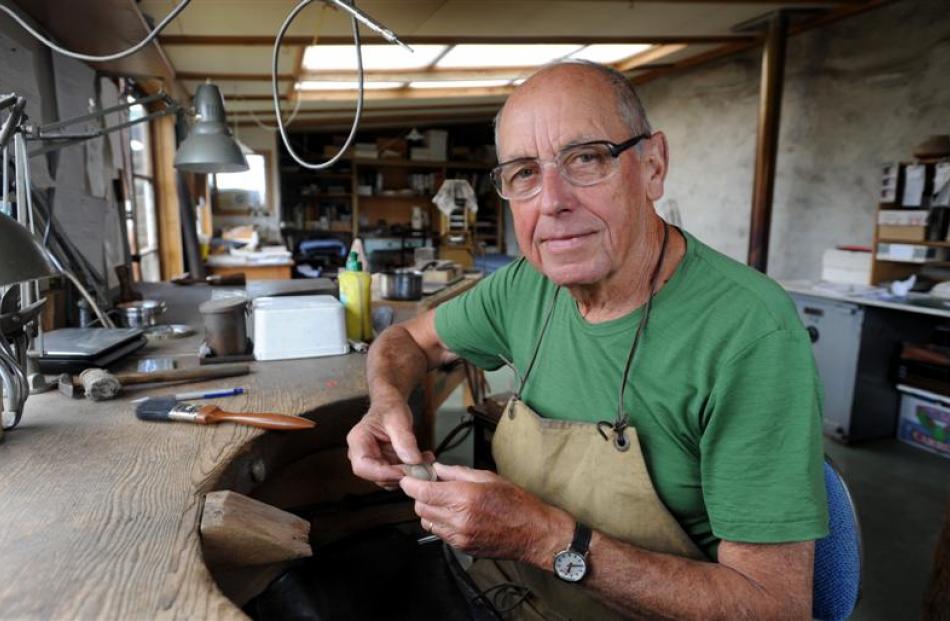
column 582, row 535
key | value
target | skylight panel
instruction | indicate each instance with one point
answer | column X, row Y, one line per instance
column 608, row 53
column 330, row 85
column 376, row 57
column 471, row 55
column 458, row 83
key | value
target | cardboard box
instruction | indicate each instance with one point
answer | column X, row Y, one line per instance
column 903, row 217
column 924, row 420
column 902, row 233
column 437, row 140
column 393, row 148
column 421, row 154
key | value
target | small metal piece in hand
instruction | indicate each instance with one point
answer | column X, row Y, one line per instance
column 427, row 539
column 424, row 472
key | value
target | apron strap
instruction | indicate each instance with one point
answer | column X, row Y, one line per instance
column 621, row 422
column 537, row 345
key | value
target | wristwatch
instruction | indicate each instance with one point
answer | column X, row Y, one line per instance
column 570, row 565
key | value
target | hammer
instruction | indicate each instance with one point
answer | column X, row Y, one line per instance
column 100, row 385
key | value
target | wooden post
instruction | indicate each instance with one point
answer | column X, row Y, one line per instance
column 770, row 112
column 166, row 198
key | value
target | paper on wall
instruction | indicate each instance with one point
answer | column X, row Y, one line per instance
column 108, row 98
column 18, row 76
column 82, row 220
column 75, row 96
column 915, row 178
column 941, row 196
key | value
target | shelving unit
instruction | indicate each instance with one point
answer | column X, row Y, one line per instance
column 884, row 270
column 310, row 206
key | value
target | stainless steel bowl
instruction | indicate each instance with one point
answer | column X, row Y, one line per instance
column 402, row 284
column 142, row 313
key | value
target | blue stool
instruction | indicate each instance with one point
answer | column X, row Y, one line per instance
column 839, row 556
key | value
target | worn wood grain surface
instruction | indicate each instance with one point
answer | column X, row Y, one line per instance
column 100, row 511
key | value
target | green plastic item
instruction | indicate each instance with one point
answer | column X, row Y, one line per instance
column 353, row 263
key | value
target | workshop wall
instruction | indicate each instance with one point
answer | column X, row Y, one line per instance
column 77, row 179
column 860, row 92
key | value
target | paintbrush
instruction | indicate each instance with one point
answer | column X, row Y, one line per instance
column 169, row 409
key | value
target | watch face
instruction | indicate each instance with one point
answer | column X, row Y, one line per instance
column 570, row 566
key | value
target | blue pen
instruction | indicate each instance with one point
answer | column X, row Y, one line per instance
column 203, row 394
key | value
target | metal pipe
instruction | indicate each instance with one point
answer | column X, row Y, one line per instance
column 770, row 112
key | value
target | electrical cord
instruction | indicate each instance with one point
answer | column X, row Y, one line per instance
column 99, row 59
column 274, row 92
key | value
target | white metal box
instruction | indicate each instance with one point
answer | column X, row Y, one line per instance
column 303, row 326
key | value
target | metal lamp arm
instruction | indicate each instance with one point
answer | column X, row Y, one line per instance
column 63, row 139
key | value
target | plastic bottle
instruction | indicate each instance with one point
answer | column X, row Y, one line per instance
column 356, row 296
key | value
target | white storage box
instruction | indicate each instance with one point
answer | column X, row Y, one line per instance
column 303, row 326
column 846, row 266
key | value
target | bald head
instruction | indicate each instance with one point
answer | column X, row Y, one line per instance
column 582, row 74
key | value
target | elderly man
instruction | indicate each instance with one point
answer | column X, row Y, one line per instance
column 662, row 455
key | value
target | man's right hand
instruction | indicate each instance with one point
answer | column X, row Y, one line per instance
column 383, row 440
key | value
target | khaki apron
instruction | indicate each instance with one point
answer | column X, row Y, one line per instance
column 602, row 482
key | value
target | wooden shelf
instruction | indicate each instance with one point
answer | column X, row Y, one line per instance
column 420, row 163
column 929, row 244
column 386, row 197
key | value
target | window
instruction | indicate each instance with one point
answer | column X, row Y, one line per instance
column 140, row 209
column 243, row 193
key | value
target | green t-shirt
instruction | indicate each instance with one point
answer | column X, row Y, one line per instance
column 723, row 391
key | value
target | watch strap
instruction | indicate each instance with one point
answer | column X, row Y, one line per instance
column 581, row 541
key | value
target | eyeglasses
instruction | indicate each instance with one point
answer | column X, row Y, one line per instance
column 581, row 165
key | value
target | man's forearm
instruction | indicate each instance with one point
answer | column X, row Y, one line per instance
column 651, row 585
column 395, row 365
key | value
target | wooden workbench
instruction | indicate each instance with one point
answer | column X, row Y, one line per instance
column 100, row 511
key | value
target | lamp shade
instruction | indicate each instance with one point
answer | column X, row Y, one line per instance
column 209, row 147
column 21, row 254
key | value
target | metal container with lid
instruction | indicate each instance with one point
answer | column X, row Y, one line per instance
column 142, row 313
column 402, row 284
column 224, row 325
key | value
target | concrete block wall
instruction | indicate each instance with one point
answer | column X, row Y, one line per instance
column 858, row 93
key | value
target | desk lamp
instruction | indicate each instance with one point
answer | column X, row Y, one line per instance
column 21, row 259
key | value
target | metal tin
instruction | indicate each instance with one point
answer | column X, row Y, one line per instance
column 402, row 284
column 224, row 324
column 142, row 313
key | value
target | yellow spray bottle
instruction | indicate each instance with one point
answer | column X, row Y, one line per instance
column 356, row 296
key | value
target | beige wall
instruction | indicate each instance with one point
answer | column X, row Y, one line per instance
column 860, row 92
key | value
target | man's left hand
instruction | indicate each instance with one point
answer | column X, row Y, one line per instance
column 482, row 514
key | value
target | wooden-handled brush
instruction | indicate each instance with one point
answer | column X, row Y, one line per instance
column 169, row 409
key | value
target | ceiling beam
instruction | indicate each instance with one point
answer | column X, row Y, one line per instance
column 407, row 108
column 648, row 56
column 815, row 3
column 723, row 51
column 344, row 122
column 105, row 27
column 234, row 77
column 245, row 40
column 405, row 93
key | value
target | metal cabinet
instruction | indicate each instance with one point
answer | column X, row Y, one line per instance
column 856, row 348
column 835, row 331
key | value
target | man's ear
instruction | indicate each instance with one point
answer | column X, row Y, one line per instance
column 654, row 163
